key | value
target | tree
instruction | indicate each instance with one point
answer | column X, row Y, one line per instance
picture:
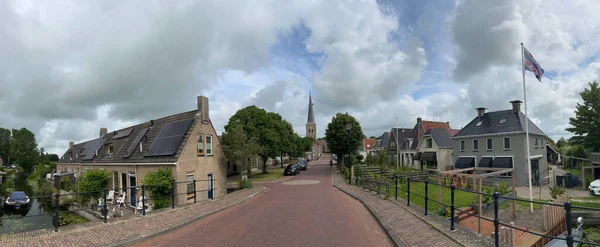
column 159, row 184
column 561, row 142
column 23, row 149
column 340, row 141
column 91, row 185
column 5, row 139
column 239, row 148
column 587, row 119
column 372, row 137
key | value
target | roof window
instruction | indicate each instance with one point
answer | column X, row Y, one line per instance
column 503, row 121
column 478, row 124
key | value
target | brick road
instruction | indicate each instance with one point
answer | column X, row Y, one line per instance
column 100, row 234
column 410, row 230
column 286, row 215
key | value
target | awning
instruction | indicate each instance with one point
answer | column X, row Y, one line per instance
column 417, row 156
column 502, row 162
column 485, row 162
column 428, row 156
column 536, row 157
column 464, row 162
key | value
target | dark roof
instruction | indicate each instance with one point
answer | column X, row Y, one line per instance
column 385, row 139
column 414, row 134
column 311, row 113
column 403, row 133
column 490, row 124
column 442, row 137
column 121, row 145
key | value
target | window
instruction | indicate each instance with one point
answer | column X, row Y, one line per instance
column 428, row 143
column 70, row 155
column 489, row 144
column 506, row 143
column 190, row 184
column 462, row 146
column 503, row 121
column 475, row 145
column 200, row 144
column 536, row 142
column 209, row 145
column 109, row 150
column 478, row 124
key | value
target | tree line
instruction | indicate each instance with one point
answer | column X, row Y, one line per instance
column 19, row 147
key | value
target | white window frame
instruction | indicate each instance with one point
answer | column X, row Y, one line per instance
column 489, row 147
column 504, row 144
column 463, row 145
column 190, row 195
column 475, row 147
column 535, row 142
column 200, row 140
column 429, row 143
column 208, row 150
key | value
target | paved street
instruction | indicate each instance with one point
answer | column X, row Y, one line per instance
column 297, row 212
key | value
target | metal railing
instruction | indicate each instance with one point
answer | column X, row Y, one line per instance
column 567, row 206
column 145, row 199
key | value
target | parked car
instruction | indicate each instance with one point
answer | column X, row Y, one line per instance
column 291, row 169
column 17, row 200
column 595, row 187
column 302, row 165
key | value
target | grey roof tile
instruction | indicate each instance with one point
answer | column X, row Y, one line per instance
column 490, row 124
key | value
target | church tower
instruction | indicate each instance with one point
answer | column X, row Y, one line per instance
column 311, row 126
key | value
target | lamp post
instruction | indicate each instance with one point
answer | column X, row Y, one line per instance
column 348, row 129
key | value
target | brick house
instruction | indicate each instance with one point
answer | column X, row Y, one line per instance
column 409, row 139
column 186, row 143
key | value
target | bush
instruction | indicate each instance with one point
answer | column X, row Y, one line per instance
column 159, row 183
column 244, row 184
column 69, row 218
column 444, row 212
column 360, row 157
column 556, row 191
column 92, row 184
column 65, row 183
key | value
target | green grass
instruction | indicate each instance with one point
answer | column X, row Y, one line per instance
column 586, row 204
column 272, row 175
column 590, row 198
column 508, row 203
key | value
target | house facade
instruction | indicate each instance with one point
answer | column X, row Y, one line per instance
column 382, row 142
column 409, row 146
column 367, row 147
column 396, row 138
column 497, row 140
column 435, row 150
column 186, row 143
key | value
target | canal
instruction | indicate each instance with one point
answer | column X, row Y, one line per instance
column 32, row 218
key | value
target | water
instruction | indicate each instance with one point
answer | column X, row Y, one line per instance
column 26, row 218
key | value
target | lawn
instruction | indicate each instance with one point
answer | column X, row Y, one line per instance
column 272, row 175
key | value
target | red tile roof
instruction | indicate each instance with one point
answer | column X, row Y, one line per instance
column 369, row 143
column 438, row 125
column 453, row 132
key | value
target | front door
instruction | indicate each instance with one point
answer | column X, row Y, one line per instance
column 535, row 171
column 132, row 188
column 210, row 186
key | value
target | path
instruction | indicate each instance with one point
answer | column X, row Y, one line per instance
column 310, row 213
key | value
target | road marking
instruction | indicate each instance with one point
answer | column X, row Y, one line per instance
column 301, row 182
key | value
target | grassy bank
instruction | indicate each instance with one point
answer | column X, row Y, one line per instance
column 273, row 174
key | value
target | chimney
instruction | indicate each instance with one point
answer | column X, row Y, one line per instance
column 203, row 109
column 419, row 120
column 103, row 132
column 516, row 105
column 71, row 144
column 480, row 111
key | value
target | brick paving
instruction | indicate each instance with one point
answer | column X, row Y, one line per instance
column 120, row 232
column 403, row 226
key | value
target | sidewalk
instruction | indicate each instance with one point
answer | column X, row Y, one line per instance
column 407, row 225
column 127, row 231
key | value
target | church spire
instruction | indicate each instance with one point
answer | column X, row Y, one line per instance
column 311, row 114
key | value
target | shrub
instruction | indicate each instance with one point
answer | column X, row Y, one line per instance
column 444, row 212
column 244, row 184
column 360, row 157
column 65, row 183
column 92, row 184
column 556, row 191
column 159, row 183
column 69, row 218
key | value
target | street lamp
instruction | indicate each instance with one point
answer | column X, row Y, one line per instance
column 348, row 129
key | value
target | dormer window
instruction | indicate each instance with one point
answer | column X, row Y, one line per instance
column 70, row 155
column 503, row 121
column 478, row 124
column 109, row 149
column 428, row 143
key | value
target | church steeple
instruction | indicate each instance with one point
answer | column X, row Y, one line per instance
column 311, row 126
column 311, row 114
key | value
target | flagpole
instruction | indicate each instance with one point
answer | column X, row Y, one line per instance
column 526, row 131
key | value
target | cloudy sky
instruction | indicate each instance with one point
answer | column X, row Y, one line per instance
column 68, row 68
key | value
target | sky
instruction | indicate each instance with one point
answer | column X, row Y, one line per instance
column 69, row 68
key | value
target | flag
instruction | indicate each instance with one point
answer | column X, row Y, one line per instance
column 532, row 65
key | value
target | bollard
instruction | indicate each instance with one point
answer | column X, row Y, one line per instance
column 56, row 212
column 194, row 190
column 105, row 209
column 426, row 193
column 496, row 221
column 378, row 187
column 407, row 191
column 173, row 195
column 143, row 200
column 452, row 207
column 569, row 227
column 396, row 196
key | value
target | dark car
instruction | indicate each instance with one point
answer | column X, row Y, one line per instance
column 302, row 165
column 291, row 169
column 17, row 200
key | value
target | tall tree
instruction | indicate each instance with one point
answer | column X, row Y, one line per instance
column 5, row 139
column 339, row 140
column 239, row 148
column 587, row 119
column 23, row 149
column 561, row 142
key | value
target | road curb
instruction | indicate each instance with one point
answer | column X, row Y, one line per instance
column 388, row 228
column 134, row 240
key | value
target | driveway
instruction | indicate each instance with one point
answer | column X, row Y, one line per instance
column 303, row 211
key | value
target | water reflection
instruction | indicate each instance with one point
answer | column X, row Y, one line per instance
column 34, row 217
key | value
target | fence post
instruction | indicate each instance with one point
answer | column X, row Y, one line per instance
column 173, row 195
column 496, row 221
column 396, row 186
column 569, row 228
column 452, row 207
column 407, row 191
column 105, row 209
column 194, row 190
column 56, row 212
column 426, row 193
column 378, row 187
column 143, row 200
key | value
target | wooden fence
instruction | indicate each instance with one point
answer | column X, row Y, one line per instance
column 554, row 220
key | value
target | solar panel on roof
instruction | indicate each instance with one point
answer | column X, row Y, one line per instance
column 123, row 133
column 168, row 139
column 94, row 147
column 135, row 142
